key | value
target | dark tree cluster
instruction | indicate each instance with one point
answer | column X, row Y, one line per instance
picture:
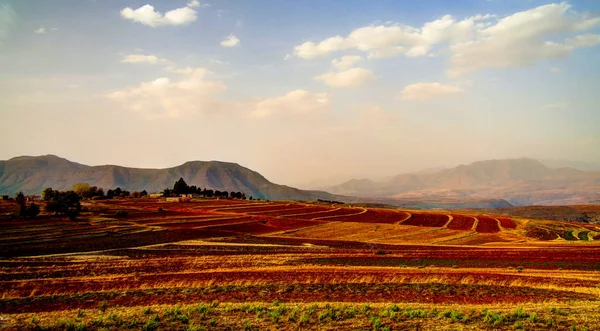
column 62, row 202
column 181, row 187
column 26, row 211
column 85, row 191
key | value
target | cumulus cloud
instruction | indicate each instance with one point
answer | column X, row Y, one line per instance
column 230, row 41
column 522, row 39
column 139, row 58
column 170, row 98
column 426, row 91
column 295, row 102
column 474, row 43
column 41, row 30
column 347, row 78
column 345, row 62
column 148, row 16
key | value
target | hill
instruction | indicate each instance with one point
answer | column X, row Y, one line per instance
column 31, row 174
column 519, row 181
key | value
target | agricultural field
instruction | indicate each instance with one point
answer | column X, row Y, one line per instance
column 148, row 264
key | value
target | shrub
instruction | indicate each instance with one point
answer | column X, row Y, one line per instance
column 150, row 325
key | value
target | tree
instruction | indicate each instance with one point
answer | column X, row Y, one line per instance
column 110, row 194
column 143, row 194
column 84, row 190
column 20, row 199
column 180, row 187
column 65, row 203
column 47, row 194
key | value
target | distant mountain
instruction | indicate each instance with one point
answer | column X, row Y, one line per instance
column 583, row 166
column 31, row 174
column 519, row 181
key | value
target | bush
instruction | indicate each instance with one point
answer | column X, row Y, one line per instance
column 150, row 325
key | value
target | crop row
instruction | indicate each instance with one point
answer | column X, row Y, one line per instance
column 487, row 224
column 461, row 222
column 426, row 219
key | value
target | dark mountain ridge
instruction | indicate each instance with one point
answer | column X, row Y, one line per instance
column 31, row 174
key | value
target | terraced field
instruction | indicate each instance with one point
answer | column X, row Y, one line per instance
column 232, row 264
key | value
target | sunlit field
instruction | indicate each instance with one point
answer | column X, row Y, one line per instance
column 232, row 264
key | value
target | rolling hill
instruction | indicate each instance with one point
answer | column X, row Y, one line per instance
column 31, row 174
column 519, row 181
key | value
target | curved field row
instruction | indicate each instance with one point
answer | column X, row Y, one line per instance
column 291, row 224
column 487, row 224
column 507, row 223
column 258, row 209
column 337, row 215
column 200, row 224
column 425, row 219
column 372, row 216
column 461, row 222
column 307, row 213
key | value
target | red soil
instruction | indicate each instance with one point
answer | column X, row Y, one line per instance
column 487, row 225
column 258, row 208
column 373, row 216
column 507, row 223
column 461, row 222
column 424, row 219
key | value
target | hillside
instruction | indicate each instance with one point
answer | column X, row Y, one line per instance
column 519, row 181
column 32, row 174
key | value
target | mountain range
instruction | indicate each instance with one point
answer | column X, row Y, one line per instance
column 519, row 181
column 483, row 184
column 31, row 174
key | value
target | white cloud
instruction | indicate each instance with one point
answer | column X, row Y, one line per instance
column 219, row 62
column 194, row 4
column 426, row 91
column 474, row 43
column 41, row 30
column 163, row 97
column 230, row 41
column 348, row 78
column 139, row 58
column 148, row 16
column 522, row 39
column 584, row 40
column 295, row 102
column 556, row 70
column 287, row 57
column 345, row 62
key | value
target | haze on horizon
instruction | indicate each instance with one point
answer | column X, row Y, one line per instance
column 300, row 91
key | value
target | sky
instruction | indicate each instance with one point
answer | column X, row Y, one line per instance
column 307, row 93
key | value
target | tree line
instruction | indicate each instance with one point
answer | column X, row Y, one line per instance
column 68, row 203
column 181, row 187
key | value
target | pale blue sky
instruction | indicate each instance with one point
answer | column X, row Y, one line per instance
column 253, row 82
